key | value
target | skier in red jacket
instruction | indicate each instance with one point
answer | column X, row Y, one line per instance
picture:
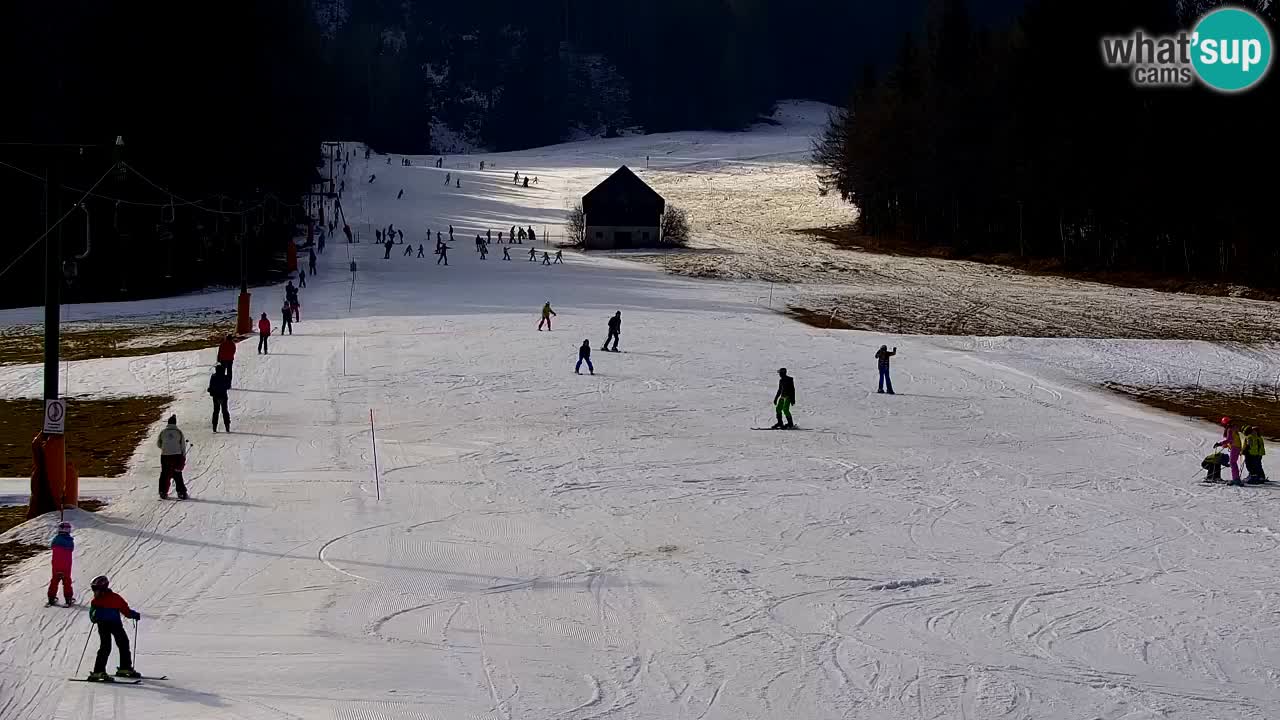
column 106, row 611
column 264, row 332
column 227, row 355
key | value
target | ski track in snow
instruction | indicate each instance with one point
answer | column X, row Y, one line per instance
column 999, row 540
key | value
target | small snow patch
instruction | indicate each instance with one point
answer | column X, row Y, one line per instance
column 905, row 584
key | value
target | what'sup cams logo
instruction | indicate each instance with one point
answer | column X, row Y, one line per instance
column 1229, row 50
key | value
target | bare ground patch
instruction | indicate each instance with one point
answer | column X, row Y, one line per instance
column 102, row 434
column 1257, row 406
column 118, row 338
column 15, row 551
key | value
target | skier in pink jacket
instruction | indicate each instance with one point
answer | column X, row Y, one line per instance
column 63, row 546
column 1233, row 444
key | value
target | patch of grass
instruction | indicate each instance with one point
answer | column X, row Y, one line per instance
column 102, row 434
column 825, row 320
column 14, row 552
column 133, row 340
column 848, row 237
column 1252, row 407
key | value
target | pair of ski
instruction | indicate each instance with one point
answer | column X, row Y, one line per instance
column 122, row 681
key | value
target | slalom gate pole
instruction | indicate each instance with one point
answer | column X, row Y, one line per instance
column 86, row 649
column 373, row 435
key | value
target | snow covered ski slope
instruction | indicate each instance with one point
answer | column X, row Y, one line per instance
column 993, row 542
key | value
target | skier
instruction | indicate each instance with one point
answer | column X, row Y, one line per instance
column 401, row 234
column 459, row 183
column 532, row 237
column 479, row 243
column 488, row 235
column 506, row 252
column 526, row 181
column 62, row 546
column 105, row 611
column 784, row 399
column 546, row 258
column 264, row 332
column 173, row 457
column 535, row 179
column 400, row 194
column 1231, row 443
column 388, row 245
column 218, row 387
column 559, row 257
column 516, row 179
column 481, row 164
column 1213, row 464
column 311, row 258
column 377, row 235
column 227, row 355
column 547, row 314
column 447, row 178
column 291, row 297
column 422, row 247
column 373, row 177
column 533, row 254
column 302, row 278
column 484, row 251
column 443, row 252
column 1254, row 449
column 615, row 329
column 450, row 233
column 499, row 237
column 584, row 354
column 408, row 250
column 882, row 359
column 512, row 236
column 286, row 314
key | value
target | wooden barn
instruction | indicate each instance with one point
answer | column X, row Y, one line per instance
column 622, row 212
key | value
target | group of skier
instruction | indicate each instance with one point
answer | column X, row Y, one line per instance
column 1235, row 442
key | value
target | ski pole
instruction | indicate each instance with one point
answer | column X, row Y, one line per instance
column 86, row 649
column 135, row 642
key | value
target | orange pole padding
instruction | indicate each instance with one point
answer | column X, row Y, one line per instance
column 71, row 488
column 244, row 318
column 55, row 468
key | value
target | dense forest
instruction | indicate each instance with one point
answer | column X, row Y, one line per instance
column 1022, row 143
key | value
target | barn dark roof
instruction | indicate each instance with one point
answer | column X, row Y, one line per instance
column 625, row 188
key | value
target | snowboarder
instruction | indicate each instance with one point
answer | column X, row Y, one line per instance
column 173, row 458
column 311, row 258
column 615, row 329
column 546, row 258
column 286, row 314
column 882, row 359
column 1254, row 449
column 218, row 387
column 62, row 545
column 422, row 247
column 302, row 278
column 547, row 314
column 533, row 254
column 584, row 353
column 264, row 332
column 1231, row 442
column 559, row 257
column 784, row 399
column 506, row 252
column 227, row 355
column 105, row 611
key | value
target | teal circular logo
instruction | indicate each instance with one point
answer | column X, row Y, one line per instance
column 1231, row 49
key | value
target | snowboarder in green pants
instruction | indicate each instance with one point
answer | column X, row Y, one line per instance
column 784, row 399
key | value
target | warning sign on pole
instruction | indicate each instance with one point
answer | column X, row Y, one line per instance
column 55, row 416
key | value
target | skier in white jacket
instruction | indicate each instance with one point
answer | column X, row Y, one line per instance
column 173, row 458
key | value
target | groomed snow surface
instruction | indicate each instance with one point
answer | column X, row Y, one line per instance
column 998, row 540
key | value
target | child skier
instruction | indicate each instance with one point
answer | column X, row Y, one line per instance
column 62, row 545
column 1254, row 449
column 506, row 252
column 1231, row 442
column 546, row 258
column 784, row 399
column 106, row 612
column 547, row 314
column 1213, row 464
column 584, row 355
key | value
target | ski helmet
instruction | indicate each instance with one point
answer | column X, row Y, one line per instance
column 1226, row 421
column 64, row 527
column 100, row 583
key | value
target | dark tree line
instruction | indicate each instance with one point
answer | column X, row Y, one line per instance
column 1022, row 142
column 210, row 99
